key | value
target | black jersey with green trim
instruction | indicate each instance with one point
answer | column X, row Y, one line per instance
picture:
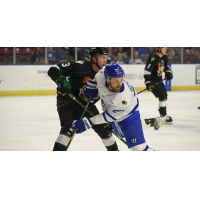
column 80, row 72
column 154, row 68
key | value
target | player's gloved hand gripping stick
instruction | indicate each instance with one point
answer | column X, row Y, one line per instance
column 150, row 87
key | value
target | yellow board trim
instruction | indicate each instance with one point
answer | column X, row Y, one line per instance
column 28, row 93
column 53, row 92
column 181, row 88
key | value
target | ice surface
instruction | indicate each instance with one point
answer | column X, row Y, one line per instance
column 31, row 123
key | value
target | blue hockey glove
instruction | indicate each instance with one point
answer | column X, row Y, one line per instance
column 82, row 125
column 168, row 75
column 91, row 91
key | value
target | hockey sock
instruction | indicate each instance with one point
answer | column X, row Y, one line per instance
column 62, row 142
column 141, row 147
column 110, row 143
column 162, row 108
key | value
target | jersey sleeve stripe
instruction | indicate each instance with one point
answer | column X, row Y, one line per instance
column 104, row 116
column 147, row 72
column 110, row 116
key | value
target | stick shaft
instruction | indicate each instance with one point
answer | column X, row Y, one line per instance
column 152, row 85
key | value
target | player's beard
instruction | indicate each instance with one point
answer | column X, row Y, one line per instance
column 115, row 89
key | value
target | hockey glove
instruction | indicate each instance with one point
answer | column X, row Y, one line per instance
column 82, row 125
column 168, row 75
column 149, row 86
column 64, row 86
column 91, row 91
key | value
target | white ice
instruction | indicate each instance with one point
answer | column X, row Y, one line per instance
column 31, row 123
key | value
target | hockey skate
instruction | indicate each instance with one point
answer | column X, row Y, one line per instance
column 156, row 122
column 169, row 120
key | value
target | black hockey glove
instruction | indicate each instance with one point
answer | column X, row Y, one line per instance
column 64, row 87
column 149, row 86
column 168, row 75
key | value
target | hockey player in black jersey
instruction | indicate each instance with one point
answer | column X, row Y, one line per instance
column 157, row 63
column 80, row 72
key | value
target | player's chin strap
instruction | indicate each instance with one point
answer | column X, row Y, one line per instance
column 96, row 56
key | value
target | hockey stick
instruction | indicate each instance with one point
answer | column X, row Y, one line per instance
column 86, row 110
column 119, row 137
column 152, row 85
column 86, row 107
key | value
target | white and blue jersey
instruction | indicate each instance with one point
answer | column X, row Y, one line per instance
column 121, row 110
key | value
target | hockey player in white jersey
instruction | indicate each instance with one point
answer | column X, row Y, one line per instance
column 120, row 105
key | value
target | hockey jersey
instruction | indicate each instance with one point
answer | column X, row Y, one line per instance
column 154, row 68
column 116, row 106
column 80, row 72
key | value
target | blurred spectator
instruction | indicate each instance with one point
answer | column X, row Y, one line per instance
column 123, row 54
column 143, row 51
column 83, row 53
column 171, row 56
column 195, row 52
column 174, row 54
column 71, row 53
column 4, row 55
column 196, row 59
column 152, row 50
column 37, row 57
column 177, row 51
column 50, row 56
column 111, row 57
column 60, row 55
column 136, row 59
column 119, row 59
column 187, row 54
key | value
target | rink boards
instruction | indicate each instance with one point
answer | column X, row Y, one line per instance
column 22, row 80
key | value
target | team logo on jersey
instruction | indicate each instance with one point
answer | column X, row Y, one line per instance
column 160, row 71
column 85, row 80
column 152, row 59
column 160, row 68
column 124, row 102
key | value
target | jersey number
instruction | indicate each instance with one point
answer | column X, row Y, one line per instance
column 134, row 140
column 65, row 64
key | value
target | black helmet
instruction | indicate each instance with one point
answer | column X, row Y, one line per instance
column 159, row 48
column 95, row 51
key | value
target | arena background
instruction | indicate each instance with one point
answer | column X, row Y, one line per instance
column 37, row 174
